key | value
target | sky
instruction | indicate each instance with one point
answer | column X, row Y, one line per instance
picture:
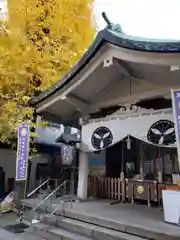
column 158, row 19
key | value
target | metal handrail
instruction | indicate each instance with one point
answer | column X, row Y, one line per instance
column 71, row 201
column 36, row 189
column 56, row 208
column 52, row 193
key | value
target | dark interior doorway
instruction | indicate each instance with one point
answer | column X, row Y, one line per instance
column 119, row 157
column 114, row 160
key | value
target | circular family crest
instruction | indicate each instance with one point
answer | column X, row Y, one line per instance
column 24, row 132
column 101, row 138
column 140, row 189
column 162, row 132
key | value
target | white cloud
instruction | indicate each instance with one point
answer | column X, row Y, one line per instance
column 144, row 18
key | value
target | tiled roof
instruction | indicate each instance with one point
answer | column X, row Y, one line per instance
column 114, row 35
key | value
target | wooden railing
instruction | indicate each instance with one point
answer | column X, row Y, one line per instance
column 105, row 187
column 127, row 190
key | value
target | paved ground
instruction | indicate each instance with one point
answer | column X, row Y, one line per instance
column 5, row 220
column 5, row 235
column 8, row 219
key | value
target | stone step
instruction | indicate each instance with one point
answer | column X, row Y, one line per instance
column 88, row 230
column 42, row 196
column 153, row 234
column 30, row 217
column 30, row 236
column 31, row 203
column 67, row 199
column 52, row 233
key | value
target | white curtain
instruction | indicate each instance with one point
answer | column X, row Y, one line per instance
column 137, row 127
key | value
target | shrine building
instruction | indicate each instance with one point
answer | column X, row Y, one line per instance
column 119, row 96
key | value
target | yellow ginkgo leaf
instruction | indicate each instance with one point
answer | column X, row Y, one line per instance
column 39, row 42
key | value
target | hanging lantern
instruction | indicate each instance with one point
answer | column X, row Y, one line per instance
column 128, row 141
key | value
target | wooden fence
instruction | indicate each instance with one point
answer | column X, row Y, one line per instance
column 105, row 187
column 127, row 190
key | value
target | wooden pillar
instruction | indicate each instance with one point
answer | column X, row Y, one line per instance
column 122, row 162
column 141, row 161
column 160, row 174
column 123, row 192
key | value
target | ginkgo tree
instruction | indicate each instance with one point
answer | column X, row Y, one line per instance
column 39, row 42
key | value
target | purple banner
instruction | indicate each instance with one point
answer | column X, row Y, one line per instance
column 22, row 152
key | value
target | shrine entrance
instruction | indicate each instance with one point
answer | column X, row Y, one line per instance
column 141, row 155
column 126, row 157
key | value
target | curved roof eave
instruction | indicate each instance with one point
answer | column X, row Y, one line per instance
column 116, row 38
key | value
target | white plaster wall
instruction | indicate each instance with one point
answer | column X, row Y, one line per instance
column 97, row 169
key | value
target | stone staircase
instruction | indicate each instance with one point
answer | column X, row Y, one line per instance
column 32, row 215
column 54, row 233
column 45, row 201
column 71, row 225
column 66, row 226
column 61, row 228
column 53, row 218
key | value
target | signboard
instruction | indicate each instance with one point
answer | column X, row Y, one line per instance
column 22, row 152
column 67, row 154
column 175, row 94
